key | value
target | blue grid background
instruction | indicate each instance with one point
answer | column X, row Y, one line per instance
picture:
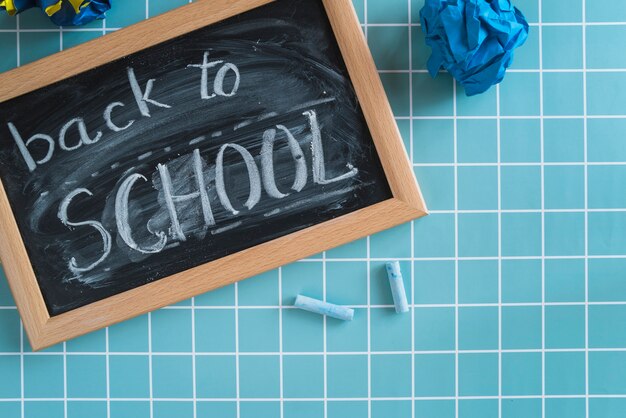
column 517, row 279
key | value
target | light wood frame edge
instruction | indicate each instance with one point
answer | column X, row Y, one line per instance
column 407, row 203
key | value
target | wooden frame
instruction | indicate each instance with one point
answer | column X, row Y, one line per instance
column 407, row 202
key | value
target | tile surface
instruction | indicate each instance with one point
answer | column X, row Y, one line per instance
column 516, row 279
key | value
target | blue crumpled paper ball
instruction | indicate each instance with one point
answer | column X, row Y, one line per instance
column 473, row 39
column 61, row 12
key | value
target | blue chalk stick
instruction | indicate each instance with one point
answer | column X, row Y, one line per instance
column 397, row 287
column 323, row 308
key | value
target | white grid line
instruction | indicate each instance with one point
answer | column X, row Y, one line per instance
column 194, row 371
column 586, row 202
column 313, row 399
column 499, row 181
column 523, row 117
column 22, row 392
column 18, row 40
column 527, row 164
column 318, row 353
column 150, row 370
column 237, row 353
column 280, row 341
column 325, row 335
column 543, row 217
column 456, row 253
column 108, row 372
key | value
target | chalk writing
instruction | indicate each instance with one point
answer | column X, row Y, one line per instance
column 208, row 144
column 258, row 179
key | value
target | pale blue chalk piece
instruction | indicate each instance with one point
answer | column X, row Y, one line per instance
column 397, row 287
column 323, row 308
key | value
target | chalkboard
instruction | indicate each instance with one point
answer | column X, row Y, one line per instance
column 196, row 148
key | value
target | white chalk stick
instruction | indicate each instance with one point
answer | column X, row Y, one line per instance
column 324, row 308
column 397, row 287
